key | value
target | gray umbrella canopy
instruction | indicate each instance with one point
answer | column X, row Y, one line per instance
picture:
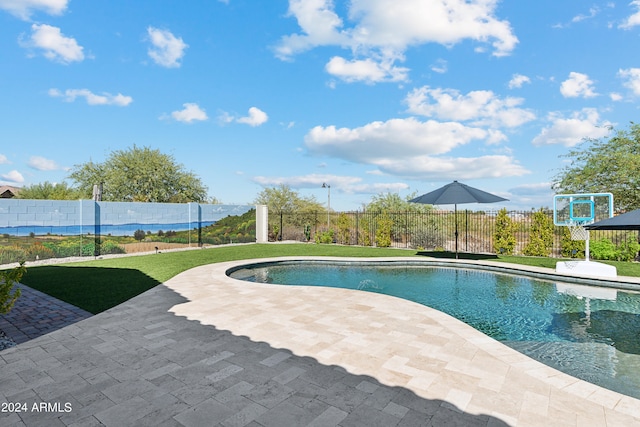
column 454, row 193
column 627, row 221
column 457, row 193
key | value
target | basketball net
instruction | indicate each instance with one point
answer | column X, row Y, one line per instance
column 578, row 232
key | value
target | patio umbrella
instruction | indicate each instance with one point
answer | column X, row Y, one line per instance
column 453, row 194
column 626, row 221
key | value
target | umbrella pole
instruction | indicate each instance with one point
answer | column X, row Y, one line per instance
column 455, row 215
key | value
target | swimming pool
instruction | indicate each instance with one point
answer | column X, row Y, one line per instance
column 592, row 333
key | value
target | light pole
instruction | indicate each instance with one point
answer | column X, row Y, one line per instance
column 328, row 187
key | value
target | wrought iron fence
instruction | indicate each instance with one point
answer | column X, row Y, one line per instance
column 432, row 231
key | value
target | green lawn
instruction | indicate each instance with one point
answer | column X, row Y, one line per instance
column 99, row 285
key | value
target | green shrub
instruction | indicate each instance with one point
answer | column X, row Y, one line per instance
column 344, row 229
column 602, row 249
column 571, row 248
column 541, row 235
column 324, row 237
column 7, row 280
column 628, row 248
column 504, row 238
column 383, row 231
column 111, row 247
column 39, row 251
column 11, row 254
column 364, row 238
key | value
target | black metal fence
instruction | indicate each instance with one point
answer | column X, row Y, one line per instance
column 435, row 230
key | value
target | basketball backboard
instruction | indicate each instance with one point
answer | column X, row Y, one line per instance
column 581, row 209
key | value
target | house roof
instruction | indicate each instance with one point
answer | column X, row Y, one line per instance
column 8, row 192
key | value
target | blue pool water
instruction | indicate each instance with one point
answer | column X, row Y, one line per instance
column 591, row 333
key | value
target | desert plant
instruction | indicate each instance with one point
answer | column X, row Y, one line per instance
column 324, row 237
column 8, row 278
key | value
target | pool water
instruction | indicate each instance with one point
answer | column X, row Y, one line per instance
column 589, row 332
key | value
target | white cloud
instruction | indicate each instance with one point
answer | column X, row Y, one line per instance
column 633, row 19
column 4, row 160
column 481, row 107
column 42, row 164
column 255, row 118
column 632, row 79
column 167, row 50
column 573, row 130
column 55, row 45
column 189, row 114
column 105, row 98
column 344, row 184
column 517, row 80
column 25, row 8
column 440, row 66
column 411, row 148
column 367, row 70
column 593, row 11
column 380, row 37
column 401, row 138
column 446, row 168
column 577, row 85
column 614, row 96
column 13, row 176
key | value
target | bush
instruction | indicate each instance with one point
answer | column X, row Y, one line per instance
column 39, row 251
column 504, row 238
column 425, row 239
column 7, row 280
column 602, row 249
column 344, row 229
column 628, row 249
column 324, row 237
column 383, row 231
column 571, row 248
column 11, row 254
column 541, row 235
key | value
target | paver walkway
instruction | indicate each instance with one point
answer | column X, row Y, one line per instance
column 35, row 314
column 204, row 349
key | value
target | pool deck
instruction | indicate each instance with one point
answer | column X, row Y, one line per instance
column 205, row 349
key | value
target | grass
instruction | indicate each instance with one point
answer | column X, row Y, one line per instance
column 98, row 285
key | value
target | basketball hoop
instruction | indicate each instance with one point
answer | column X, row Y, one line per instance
column 578, row 232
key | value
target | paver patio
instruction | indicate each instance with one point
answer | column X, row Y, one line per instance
column 204, row 349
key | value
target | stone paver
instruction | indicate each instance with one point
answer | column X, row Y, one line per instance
column 35, row 314
column 204, row 349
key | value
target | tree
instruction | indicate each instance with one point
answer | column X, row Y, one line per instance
column 284, row 199
column 140, row 175
column 392, row 202
column 49, row 191
column 610, row 165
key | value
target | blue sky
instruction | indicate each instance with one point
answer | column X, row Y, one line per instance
column 368, row 96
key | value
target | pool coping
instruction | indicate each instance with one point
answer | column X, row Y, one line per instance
column 620, row 282
column 574, row 393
